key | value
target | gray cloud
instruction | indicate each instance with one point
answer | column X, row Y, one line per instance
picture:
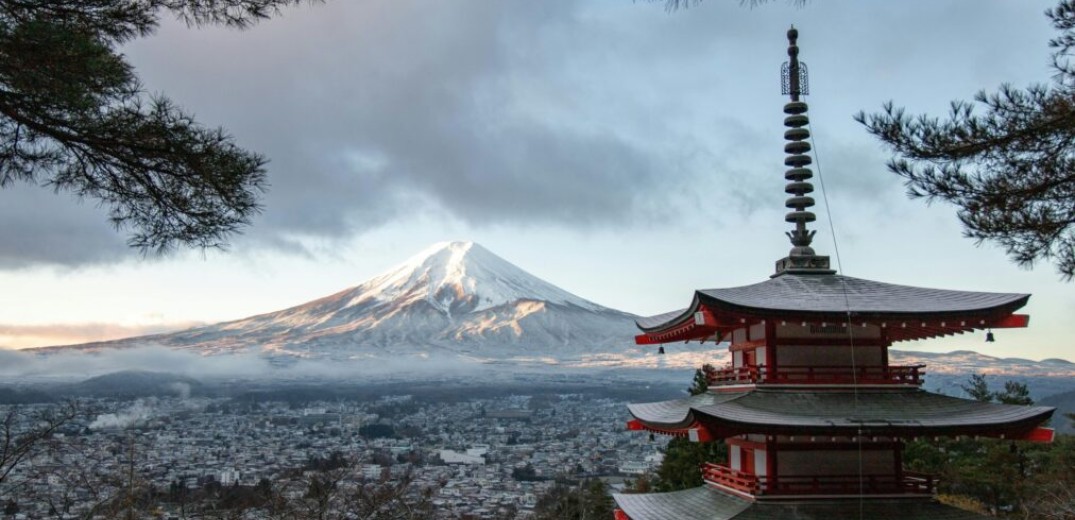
column 40, row 226
column 564, row 113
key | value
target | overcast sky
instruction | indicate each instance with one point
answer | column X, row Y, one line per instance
column 626, row 154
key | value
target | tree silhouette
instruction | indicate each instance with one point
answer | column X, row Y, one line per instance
column 1010, row 171
column 74, row 117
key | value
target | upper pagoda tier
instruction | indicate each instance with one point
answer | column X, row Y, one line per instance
column 805, row 289
column 905, row 312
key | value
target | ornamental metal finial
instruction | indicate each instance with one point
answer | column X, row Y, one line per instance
column 794, row 80
column 802, row 258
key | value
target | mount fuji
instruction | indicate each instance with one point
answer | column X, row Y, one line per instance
column 459, row 301
column 452, row 298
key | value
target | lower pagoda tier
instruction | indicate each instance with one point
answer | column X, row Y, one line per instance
column 903, row 413
column 706, row 503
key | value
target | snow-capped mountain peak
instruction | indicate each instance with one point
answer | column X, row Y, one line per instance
column 452, row 297
column 461, row 277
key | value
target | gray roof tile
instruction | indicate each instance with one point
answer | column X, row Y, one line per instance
column 677, row 413
column 700, row 503
column 706, row 503
column 878, row 412
column 836, row 294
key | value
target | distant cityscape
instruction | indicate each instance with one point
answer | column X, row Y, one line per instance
column 474, row 458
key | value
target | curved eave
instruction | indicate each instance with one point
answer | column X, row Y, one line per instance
column 912, row 312
column 700, row 503
column 677, row 414
column 659, row 321
column 975, row 318
column 902, row 413
column 707, row 503
column 835, row 294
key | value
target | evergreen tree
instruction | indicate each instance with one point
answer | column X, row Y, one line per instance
column 700, row 383
column 995, row 475
column 641, row 484
column 1010, row 171
column 683, row 459
column 74, row 117
column 1015, row 393
column 588, row 500
column 977, row 388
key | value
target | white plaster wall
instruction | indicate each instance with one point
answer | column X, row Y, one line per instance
column 733, row 458
column 761, row 355
column 757, row 331
column 739, row 335
column 760, row 467
column 737, row 358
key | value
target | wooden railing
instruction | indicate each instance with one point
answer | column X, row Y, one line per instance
column 908, row 483
column 847, row 485
column 818, row 374
column 728, row 477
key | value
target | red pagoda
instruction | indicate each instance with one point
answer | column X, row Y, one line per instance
column 813, row 415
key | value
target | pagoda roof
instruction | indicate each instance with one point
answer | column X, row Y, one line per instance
column 677, row 413
column 835, row 298
column 820, row 294
column 707, row 503
column 898, row 412
column 699, row 503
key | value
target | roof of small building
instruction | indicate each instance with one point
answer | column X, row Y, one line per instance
column 706, row 503
column 898, row 412
column 797, row 295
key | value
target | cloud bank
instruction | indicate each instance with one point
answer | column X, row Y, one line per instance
column 570, row 114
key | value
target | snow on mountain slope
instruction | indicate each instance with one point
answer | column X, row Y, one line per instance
column 453, row 297
column 459, row 299
column 463, row 277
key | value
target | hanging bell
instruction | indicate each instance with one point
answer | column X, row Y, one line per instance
column 989, row 337
column 660, row 350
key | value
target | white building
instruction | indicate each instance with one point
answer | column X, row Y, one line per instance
column 372, row 471
column 228, row 476
column 454, row 457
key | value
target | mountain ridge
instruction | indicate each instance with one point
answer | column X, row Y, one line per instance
column 459, row 301
column 453, row 296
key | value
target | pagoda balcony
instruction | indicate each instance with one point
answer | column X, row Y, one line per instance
column 818, row 375
column 819, row 485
